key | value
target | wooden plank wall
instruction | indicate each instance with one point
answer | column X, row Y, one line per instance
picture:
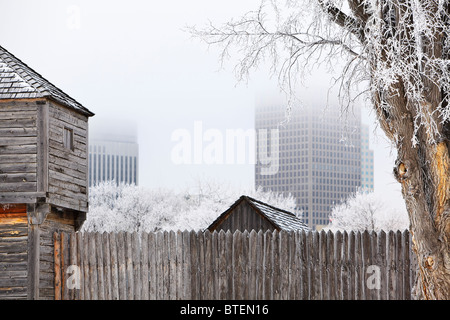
column 13, row 252
column 68, row 179
column 18, row 147
column 55, row 222
column 240, row 265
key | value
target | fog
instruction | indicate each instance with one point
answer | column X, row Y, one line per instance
column 132, row 62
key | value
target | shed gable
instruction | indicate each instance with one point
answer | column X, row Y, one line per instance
column 251, row 214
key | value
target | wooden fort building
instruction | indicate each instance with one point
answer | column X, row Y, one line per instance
column 43, row 176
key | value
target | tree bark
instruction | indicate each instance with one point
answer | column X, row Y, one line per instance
column 423, row 162
column 423, row 171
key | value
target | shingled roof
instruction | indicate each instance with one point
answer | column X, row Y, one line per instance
column 18, row 81
column 281, row 219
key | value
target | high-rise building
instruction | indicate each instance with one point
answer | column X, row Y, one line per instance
column 367, row 181
column 113, row 153
column 319, row 156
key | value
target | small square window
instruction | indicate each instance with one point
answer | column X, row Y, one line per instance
column 68, row 138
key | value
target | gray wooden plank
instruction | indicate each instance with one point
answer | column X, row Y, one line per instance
column 187, row 290
column 93, row 279
column 144, row 266
column 136, row 254
column 238, row 266
column 122, row 271
column 105, row 238
column 152, row 260
column 230, row 266
column 100, row 266
column 268, row 266
column 351, row 265
column 276, row 266
column 172, row 265
column 113, row 240
column 129, row 265
column 365, row 258
column 252, row 288
column 194, row 266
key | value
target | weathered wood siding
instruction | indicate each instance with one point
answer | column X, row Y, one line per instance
column 243, row 217
column 68, row 180
column 55, row 222
column 18, row 147
column 13, row 252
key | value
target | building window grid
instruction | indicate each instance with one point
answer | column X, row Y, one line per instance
column 347, row 166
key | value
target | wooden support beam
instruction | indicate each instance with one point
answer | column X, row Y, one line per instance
column 57, row 253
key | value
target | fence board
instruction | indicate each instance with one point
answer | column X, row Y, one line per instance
column 268, row 268
column 304, row 265
column 137, row 283
column 375, row 294
column 241, row 265
column 65, row 263
column 74, row 283
column 100, row 266
column 85, row 246
column 194, row 274
column 144, row 266
column 229, row 269
column 93, row 281
column 337, row 263
column 382, row 263
column 122, row 272
column 365, row 263
column 114, row 267
column 152, row 289
column 106, row 266
column 407, row 285
column 391, row 266
column 208, row 275
column 186, row 265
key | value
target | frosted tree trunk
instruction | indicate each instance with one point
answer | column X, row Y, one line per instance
column 411, row 112
column 423, row 171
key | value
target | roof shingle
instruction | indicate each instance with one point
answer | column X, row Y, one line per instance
column 285, row 220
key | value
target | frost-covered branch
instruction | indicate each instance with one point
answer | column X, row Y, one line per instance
column 292, row 42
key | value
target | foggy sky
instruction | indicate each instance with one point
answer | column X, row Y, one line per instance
column 131, row 60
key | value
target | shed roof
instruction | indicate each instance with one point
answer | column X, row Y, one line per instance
column 19, row 81
column 281, row 219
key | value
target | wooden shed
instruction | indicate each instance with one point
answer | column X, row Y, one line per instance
column 251, row 214
column 43, row 176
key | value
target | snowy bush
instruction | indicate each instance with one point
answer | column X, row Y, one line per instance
column 134, row 208
column 367, row 211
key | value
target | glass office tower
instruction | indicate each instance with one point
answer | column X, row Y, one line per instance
column 319, row 155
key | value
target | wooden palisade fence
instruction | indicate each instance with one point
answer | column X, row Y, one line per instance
column 232, row 266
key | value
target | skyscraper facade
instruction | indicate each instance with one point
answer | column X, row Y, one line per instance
column 319, row 154
column 113, row 154
column 367, row 178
